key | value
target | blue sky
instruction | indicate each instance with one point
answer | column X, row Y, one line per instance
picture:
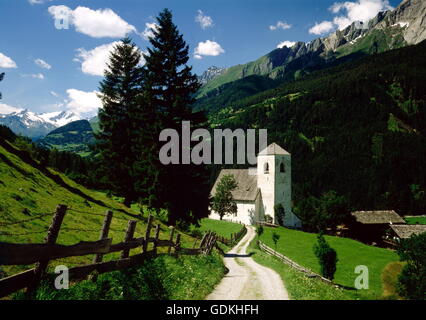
column 51, row 70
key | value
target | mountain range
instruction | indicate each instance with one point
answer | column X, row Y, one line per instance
column 35, row 125
column 405, row 25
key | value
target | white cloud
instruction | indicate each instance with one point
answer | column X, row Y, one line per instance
column 287, row 44
column 101, row 23
column 6, row 109
column 53, row 93
column 280, row 25
column 33, row 75
column 38, row 1
column 203, row 20
column 94, row 62
column 208, row 48
column 360, row 10
column 148, row 32
column 321, row 28
column 82, row 102
column 6, row 62
column 42, row 64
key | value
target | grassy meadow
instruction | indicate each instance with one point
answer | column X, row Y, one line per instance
column 298, row 246
column 26, row 192
column 415, row 220
column 221, row 227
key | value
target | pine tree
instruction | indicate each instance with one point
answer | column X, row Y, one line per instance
column 170, row 87
column 1, row 78
column 120, row 120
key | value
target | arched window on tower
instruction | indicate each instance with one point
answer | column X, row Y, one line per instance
column 266, row 168
column 282, row 168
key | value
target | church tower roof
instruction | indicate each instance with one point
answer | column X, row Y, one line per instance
column 273, row 149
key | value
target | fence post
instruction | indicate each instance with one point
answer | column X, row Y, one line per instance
column 212, row 243
column 203, row 240
column 172, row 233
column 157, row 235
column 177, row 245
column 131, row 226
column 147, row 233
column 104, row 234
column 52, row 236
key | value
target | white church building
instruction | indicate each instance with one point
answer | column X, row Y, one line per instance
column 260, row 189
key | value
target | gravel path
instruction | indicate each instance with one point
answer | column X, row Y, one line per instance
column 248, row 280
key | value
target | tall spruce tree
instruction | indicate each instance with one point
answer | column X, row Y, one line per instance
column 123, row 132
column 170, row 86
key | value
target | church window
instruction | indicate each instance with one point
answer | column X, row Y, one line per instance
column 282, row 169
column 266, row 168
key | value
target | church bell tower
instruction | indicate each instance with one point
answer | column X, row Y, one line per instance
column 274, row 182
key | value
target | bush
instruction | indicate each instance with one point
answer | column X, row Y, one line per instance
column 412, row 281
column 260, row 230
column 275, row 237
column 327, row 257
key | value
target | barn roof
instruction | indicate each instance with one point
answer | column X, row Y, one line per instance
column 273, row 149
column 247, row 184
column 404, row 231
column 377, row 217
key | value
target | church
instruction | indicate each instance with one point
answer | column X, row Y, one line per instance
column 260, row 189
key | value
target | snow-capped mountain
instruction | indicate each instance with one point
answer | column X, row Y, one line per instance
column 35, row 125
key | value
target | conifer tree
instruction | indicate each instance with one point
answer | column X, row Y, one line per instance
column 120, row 120
column 170, row 87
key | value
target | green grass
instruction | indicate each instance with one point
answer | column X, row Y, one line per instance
column 26, row 192
column 162, row 278
column 298, row 285
column 222, row 228
column 298, row 246
column 416, row 220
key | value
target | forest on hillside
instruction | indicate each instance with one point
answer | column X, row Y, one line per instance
column 356, row 130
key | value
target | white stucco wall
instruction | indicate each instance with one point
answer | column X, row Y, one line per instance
column 243, row 215
column 275, row 187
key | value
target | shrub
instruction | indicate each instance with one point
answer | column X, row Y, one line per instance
column 412, row 280
column 275, row 238
column 327, row 257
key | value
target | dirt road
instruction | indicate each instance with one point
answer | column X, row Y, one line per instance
column 248, row 280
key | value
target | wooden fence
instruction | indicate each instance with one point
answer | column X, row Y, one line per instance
column 235, row 237
column 41, row 254
column 294, row 265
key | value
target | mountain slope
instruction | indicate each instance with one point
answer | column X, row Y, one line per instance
column 28, row 189
column 358, row 128
column 406, row 25
column 74, row 137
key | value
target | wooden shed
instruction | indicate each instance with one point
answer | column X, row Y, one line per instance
column 404, row 231
column 371, row 226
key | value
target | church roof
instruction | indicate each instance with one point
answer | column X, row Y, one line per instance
column 273, row 149
column 247, row 184
column 377, row 217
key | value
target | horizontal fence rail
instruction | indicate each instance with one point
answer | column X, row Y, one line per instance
column 295, row 265
column 235, row 237
column 41, row 254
